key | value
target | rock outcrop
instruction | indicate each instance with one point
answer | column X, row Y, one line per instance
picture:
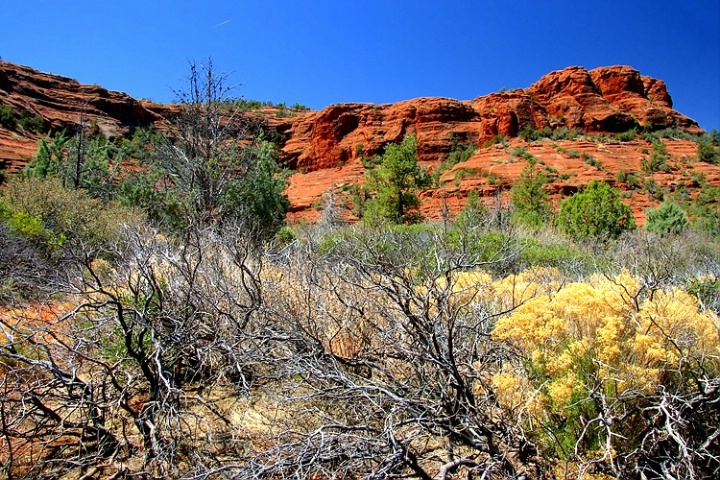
column 611, row 99
column 63, row 102
column 325, row 148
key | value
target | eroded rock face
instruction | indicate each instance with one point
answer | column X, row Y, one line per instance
column 63, row 102
column 645, row 98
column 343, row 133
column 569, row 164
column 609, row 99
column 325, row 148
column 572, row 99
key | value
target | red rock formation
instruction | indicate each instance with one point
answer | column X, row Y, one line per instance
column 645, row 98
column 62, row 101
column 325, row 148
column 15, row 150
column 612, row 99
column 493, row 170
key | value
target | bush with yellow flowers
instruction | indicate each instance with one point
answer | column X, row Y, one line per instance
column 606, row 365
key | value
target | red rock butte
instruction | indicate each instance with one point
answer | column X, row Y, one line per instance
column 324, row 148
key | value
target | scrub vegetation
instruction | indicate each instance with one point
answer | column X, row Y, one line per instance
column 161, row 320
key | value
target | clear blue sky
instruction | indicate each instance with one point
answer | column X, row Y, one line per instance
column 320, row 52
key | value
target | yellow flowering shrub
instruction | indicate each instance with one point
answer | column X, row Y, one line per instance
column 677, row 328
column 561, row 390
column 510, row 389
column 476, row 280
column 516, row 394
column 598, row 319
column 514, row 290
column 592, row 343
column 503, row 293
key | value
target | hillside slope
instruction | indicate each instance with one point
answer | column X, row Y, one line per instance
column 325, row 148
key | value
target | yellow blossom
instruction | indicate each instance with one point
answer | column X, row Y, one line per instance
column 561, row 390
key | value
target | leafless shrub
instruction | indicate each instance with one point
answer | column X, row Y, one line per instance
column 355, row 354
column 390, row 364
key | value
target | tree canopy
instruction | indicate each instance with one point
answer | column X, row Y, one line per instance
column 528, row 196
column 596, row 212
column 667, row 218
column 396, row 182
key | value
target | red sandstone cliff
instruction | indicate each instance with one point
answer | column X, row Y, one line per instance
column 324, row 147
column 612, row 99
column 62, row 103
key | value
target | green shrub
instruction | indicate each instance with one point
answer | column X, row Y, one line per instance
column 698, row 179
column 674, row 133
column 257, row 200
column 459, row 156
column 530, row 134
column 396, row 182
column 565, row 133
column 483, row 246
column 285, row 235
column 631, row 178
column 627, row 136
column 397, row 246
column 535, row 253
column 708, row 153
column 707, row 291
column 518, row 151
column 714, row 137
column 81, row 162
column 651, row 137
column 667, row 218
column 498, row 139
column 26, row 225
column 596, row 212
column 474, row 212
column 590, row 160
column 162, row 207
column 528, row 197
column 653, row 189
column 463, row 173
column 31, row 124
column 708, row 195
column 521, row 152
column 67, row 217
column 7, row 117
column 707, row 221
column 657, row 162
column 459, row 153
column 704, row 210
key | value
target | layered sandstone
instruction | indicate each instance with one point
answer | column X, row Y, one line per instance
column 612, row 99
column 325, row 148
column 63, row 102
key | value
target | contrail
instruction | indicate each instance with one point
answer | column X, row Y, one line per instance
column 221, row 24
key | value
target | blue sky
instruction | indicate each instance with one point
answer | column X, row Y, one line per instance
column 320, row 52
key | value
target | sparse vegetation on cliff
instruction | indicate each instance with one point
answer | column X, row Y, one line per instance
column 29, row 123
column 162, row 321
